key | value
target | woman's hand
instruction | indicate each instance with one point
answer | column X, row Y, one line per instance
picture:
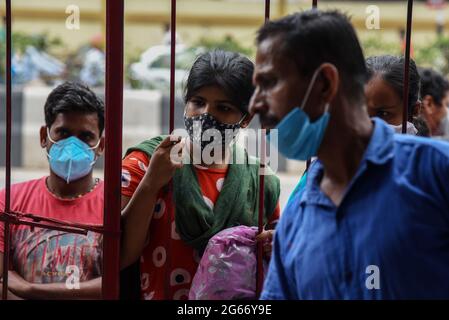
column 164, row 162
column 266, row 237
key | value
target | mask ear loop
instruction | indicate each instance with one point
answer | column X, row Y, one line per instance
column 93, row 148
column 241, row 120
column 309, row 89
column 235, row 138
column 51, row 140
column 49, row 137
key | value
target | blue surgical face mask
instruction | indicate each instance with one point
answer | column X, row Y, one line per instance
column 196, row 126
column 298, row 137
column 71, row 158
column 411, row 129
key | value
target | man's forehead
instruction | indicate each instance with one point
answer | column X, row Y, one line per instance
column 268, row 48
column 76, row 116
column 83, row 121
column 269, row 54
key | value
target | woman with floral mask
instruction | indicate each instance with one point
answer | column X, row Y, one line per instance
column 168, row 225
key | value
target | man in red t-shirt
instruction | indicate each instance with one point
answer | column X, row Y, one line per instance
column 47, row 264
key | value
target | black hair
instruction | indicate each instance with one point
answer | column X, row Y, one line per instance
column 314, row 37
column 421, row 126
column 230, row 71
column 391, row 69
column 433, row 84
column 73, row 97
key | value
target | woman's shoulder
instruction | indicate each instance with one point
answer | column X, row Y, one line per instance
column 147, row 146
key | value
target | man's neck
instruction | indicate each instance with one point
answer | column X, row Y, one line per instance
column 64, row 190
column 345, row 143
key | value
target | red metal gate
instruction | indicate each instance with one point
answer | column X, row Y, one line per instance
column 113, row 148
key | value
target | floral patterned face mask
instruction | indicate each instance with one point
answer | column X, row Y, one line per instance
column 197, row 126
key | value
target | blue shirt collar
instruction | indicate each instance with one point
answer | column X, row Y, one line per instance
column 379, row 150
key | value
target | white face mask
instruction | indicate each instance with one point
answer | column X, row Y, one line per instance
column 411, row 129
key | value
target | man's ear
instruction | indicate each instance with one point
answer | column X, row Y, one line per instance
column 428, row 104
column 247, row 120
column 417, row 109
column 43, row 136
column 331, row 82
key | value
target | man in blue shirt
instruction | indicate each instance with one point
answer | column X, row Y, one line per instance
column 373, row 219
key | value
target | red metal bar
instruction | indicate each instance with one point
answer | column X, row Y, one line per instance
column 407, row 66
column 171, row 128
column 314, row 6
column 57, row 222
column 24, row 218
column 259, row 271
column 7, row 245
column 8, row 108
column 113, row 148
column 267, row 10
column 12, row 219
column 172, row 64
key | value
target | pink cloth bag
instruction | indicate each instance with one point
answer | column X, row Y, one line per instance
column 227, row 270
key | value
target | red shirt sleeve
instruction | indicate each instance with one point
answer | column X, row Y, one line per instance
column 274, row 217
column 134, row 167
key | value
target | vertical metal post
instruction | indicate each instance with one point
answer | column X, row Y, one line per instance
column 407, row 66
column 171, row 128
column 113, row 148
column 259, row 271
column 314, row 6
column 267, row 10
column 7, row 244
column 172, row 64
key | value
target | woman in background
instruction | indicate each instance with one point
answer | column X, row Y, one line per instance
column 384, row 93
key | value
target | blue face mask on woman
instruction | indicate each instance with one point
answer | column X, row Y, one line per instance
column 298, row 137
column 71, row 158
